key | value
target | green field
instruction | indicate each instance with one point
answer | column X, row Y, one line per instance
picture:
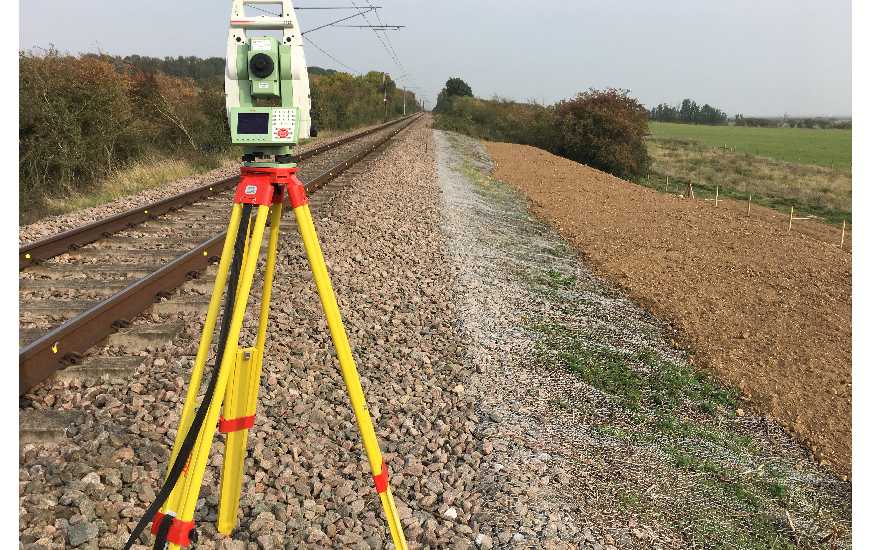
column 827, row 148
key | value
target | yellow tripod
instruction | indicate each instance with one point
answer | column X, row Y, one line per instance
column 235, row 381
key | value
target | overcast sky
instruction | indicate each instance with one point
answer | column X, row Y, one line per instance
column 758, row 57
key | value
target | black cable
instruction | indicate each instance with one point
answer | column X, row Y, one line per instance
column 202, row 411
column 163, row 532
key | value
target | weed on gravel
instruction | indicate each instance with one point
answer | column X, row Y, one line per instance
column 732, row 486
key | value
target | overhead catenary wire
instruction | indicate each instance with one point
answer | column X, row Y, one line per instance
column 391, row 52
column 333, row 23
column 362, row 10
column 387, row 37
column 329, row 55
column 395, row 54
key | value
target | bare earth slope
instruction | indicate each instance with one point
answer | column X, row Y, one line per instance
column 768, row 312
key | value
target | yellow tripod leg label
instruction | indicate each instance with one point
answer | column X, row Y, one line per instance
column 237, row 419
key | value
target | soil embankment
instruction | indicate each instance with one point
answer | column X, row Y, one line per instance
column 767, row 311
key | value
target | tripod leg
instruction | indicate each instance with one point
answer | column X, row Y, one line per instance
column 193, row 388
column 240, row 406
column 348, row 368
column 189, row 484
column 269, row 276
column 235, row 422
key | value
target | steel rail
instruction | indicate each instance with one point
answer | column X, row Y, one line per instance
column 66, row 343
column 66, row 241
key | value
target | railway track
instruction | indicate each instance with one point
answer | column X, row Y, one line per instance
column 88, row 285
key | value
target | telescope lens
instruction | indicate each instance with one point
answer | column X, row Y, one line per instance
column 262, row 65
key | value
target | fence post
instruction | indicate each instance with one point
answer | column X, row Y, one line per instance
column 790, row 218
column 716, row 203
column 843, row 235
column 749, row 205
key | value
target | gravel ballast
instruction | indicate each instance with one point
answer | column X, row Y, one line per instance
column 428, row 267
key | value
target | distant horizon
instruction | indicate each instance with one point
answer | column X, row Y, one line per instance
column 764, row 58
column 499, row 96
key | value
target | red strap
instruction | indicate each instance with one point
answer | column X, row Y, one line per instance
column 382, row 481
column 227, row 425
column 179, row 532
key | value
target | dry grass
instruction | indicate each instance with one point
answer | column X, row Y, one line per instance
column 147, row 173
column 817, row 190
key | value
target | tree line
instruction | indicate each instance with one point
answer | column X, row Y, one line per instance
column 689, row 112
column 82, row 117
column 601, row 128
column 822, row 123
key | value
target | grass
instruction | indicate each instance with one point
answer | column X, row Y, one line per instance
column 147, row 173
column 777, row 184
column 726, row 491
column 825, row 148
column 637, row 379
column 683, row 414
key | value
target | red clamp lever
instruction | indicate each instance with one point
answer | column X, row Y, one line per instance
column 180, row 532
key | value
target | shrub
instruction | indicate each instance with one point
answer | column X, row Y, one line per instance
column 341, row 100
column 74, row 117
column 455, row 87
column 500, row 120
column 604, row 129
column 83, row 117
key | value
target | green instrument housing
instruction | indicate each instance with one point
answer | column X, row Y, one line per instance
column 265, row 122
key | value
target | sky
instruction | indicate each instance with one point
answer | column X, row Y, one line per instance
column 755, row 57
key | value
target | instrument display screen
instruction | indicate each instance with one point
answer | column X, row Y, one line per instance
column 253, row 123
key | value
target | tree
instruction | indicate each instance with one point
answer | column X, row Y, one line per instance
column 688, row 111
column 710, row 115
column 455, row 87
column 664, row 113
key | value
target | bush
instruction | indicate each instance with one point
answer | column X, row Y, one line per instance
column 455, row 87
column 81, row 118
column 500, row 120
column 340, row 100
column 74, row 117
column 604, row 129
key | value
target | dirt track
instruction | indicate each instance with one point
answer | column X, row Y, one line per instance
column 768, row 312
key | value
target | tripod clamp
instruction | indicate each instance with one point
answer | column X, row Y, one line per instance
column 265, row 186
column 167, row 528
